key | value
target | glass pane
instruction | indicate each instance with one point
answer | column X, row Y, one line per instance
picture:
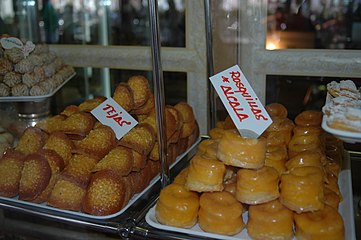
column 316, row 24
column 99, row 22
column 299, row 93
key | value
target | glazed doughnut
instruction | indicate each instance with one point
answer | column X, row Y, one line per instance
column 257, row 186
column 302, row 189
column 276, row 157
column 309, row 118
column 181, row 177
column 303, row 143
column 269, row 221
column 307, row 130
column 331, row 198
column 177, row 206
column 216, row 133
column 205, row 174
column 209, row 148
column 306, row 158
column 220, row 213
column 239, row 151
column 326, row 223
column 276, row 110
column 279, row 132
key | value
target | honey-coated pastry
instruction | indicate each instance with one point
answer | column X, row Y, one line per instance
column 67, row 195
column 220, row 213
column 11, row 165
column 177, row 206
column 140, row 88
column 325, row 224
column 309, row 118
column 276, row 110
column 271, row 220
column 119, row 159
column 90, row 104
column 35, row 176
column 79, row 169
column 279, row 132
column 302, row 189
column 216, row 133
column 307, row 130
column 61, row 144
column 306, row 158
column 228, row 123
column 106, row 194
column 205, row 174
column 97, row 143
column 181, row 178
column 208, row 147
column 238, row 151
column 123, row 95
column 255, row 186
column 31, row 140
column 276, row 157
column 300, row 143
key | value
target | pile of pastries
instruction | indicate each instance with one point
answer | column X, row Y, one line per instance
column 343, row 109
column 72, row 161
column 286, row 182
column 36, row 74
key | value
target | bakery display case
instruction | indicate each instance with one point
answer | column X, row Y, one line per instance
column 188, row 169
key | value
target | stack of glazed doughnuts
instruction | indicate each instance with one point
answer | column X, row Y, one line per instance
column 285, row 181
column 73, row 162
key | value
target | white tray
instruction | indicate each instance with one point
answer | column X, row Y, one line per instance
column 34, row 98
column 58, row 211
column 345, row 209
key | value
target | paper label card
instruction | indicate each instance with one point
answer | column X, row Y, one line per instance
column 241, row 102
column 110, row 113
column 11, row 42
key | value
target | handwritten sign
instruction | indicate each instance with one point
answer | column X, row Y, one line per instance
column 241, row 102
column 110, row 113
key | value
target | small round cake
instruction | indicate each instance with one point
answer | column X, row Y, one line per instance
column 238, row 151
column 300, row 143
column 326, row 223
column 177, row 206
column 302, row 189
column 276, row 157
column 271, row 220
column 255, row 186
column 220, row 213
column 276, row 110
column 205, row 174
column 309, row 118
column 306, row 158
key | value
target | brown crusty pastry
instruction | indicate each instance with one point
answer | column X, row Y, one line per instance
column 31, row 140
column 70, row 110
column 61, row 144
column 139, row 86
column 186, row 111
column 179, row 123
column 90, row 104
column 79, row 169
column 77, row 125
column 139, row 160
column 51, row 124
column 141, row 138
column 107, row 193
column 119, row 159
column 35, row 176
column 97, row 143
column 146, row 108
column 11, row 165
column 67, row 194
column 123, row 95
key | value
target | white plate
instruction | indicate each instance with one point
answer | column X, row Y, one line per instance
column 346, row 136
column 34, row 98
column 345, row 209
column 58, row 211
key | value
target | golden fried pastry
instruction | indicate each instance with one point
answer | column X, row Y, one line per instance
column 238, row 151
column 332, row 183
column 186, row 111
column 67, row 195
column 138, row 180
column 139, row 160
column 140, row 88
column 208, row 147
column 61, row 144
column 79, row 169
column 31, row 141
column 279, row 132
column 276, row 110
column 119, row 159
column 90, row 104
column 271, row 220
column 307, row 130
column 255, row 186
column 97, row 143
column 326, row 223
column 306, row 158
column 309, row 118
column 11, row 165
column 179, row 123
column 77, row 125
column 228, row 123
column 220, row 213
column 51, row 124
column 177, row 206
column 106, row 194
column 300, row 143
column 123, row 95
column 205, row 174
column 216, row 133
column 146, row 108
column 302, row 189
column 276, row 157
column 70, row 110
column 181, row 178
column 153, row 167
column 35, row 176
column 141, row 138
